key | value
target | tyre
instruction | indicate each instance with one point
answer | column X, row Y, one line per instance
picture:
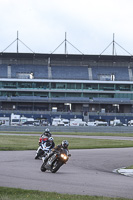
column 55, row 166
column 40, row 153
column 43, row 169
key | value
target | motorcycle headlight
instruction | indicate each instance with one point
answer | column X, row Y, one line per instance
column 64, row 156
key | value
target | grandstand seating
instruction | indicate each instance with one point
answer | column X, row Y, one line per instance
column 121, row 73
column 66, row 72
column 3, row 71
column 39, row 71
column 70, row 72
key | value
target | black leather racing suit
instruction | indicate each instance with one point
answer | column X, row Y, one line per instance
column 57, row 148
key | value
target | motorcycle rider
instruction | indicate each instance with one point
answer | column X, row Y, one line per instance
column 44, row 147
column 50, row 143
column 64, row 145
column 46, row 133
column 44, row 136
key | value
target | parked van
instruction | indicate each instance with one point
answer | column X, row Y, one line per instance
column 91, row 123
column 56, row 121
column 15, row 119
column 66, row 122
column 101, row 123
column 130, row 123
column 116, row 122
column 77, row 122
column 60, row 122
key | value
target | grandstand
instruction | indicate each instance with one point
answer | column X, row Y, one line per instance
column 87, row 86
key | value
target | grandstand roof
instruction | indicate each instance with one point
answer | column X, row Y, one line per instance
column 63, row 57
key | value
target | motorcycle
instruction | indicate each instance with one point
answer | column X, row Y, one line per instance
column 55, row 161
column 42, row 150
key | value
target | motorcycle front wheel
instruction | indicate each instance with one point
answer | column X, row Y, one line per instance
column 55, row 166
column 43, row 169
column 40, row 153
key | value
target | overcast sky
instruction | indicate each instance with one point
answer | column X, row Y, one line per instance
column 89, row 26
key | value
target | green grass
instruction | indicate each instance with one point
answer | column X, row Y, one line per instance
column 129, row 167
column 20, row 194
column 19, row 142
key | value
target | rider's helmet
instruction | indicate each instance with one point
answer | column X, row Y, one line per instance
column 51, row 139
column 47, row 132
column 65, row 144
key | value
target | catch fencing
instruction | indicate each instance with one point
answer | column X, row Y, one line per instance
column 83, row 129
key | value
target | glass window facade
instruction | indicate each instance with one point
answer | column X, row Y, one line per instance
column 64, row 89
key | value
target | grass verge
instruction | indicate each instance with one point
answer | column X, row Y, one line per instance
column 129, row 167
column 19, row 142
column 20, row 194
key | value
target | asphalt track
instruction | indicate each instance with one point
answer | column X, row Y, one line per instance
column 88, row 172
